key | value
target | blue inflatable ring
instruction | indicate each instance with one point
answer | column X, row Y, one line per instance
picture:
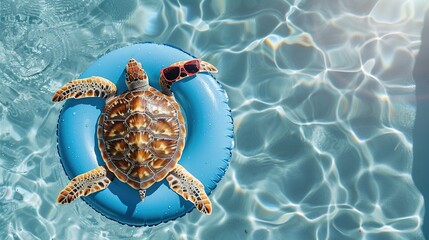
column 208, row 144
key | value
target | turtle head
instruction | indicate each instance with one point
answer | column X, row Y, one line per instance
column 180, row 70
column 135, row 76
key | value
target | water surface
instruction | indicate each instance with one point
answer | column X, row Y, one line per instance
column 321, row 91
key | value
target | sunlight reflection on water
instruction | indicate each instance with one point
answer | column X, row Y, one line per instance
column 321, row 92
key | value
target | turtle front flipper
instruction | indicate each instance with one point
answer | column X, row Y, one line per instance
column 86, row 87
column 207, row 67
column 85, row 184
column 190, row 188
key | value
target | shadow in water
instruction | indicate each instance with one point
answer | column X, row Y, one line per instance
column 421, row 126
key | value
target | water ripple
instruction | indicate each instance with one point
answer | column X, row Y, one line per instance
column 321, row 92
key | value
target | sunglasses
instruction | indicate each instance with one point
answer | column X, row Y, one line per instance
column 174, row 72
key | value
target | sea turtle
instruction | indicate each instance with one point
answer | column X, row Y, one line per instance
column 141, row 134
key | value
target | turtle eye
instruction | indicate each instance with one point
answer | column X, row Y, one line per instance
column 171, row 73
column 192, row 66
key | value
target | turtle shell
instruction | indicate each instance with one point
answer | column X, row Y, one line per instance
column 141, row 136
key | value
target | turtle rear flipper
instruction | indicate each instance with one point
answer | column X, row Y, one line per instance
column 82, row 185
column 187, row 186
column 86, row 87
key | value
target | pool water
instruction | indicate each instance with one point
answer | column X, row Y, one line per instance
column 325, row 105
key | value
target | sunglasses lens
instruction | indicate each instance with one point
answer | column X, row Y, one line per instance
column 192, row 66
column 171, row 73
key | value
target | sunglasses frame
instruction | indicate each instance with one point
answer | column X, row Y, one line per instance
column 181, row 65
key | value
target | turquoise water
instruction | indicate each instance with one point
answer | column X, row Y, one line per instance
column 321, row 91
